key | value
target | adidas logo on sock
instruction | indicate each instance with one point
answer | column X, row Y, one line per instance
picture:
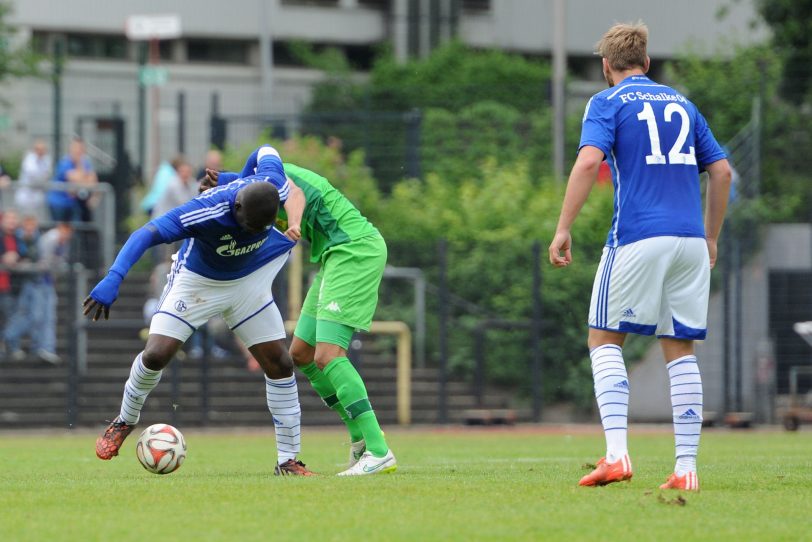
column 623, row 384
column 689, row 415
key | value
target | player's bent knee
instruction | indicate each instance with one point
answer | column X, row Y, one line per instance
column 156, row 358
column 325, row 353
column 274, row 359
column 301, row 353
column 159, row 351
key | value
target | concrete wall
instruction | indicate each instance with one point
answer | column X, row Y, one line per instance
column 786, row 247
column 524, row 25
column 97, row 86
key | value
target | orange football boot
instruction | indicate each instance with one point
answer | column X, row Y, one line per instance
column 292, row 467
column 606, row 473
column 109, row 443
column 687, row 482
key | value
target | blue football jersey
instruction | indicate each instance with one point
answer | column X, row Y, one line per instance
column 656, row 142
column 216, row 246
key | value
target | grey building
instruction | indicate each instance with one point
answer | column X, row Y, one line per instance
column 240, row 50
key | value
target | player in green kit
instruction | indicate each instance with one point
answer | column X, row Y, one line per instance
column 342, row 300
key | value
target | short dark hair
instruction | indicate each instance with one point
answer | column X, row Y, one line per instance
column 260, row 200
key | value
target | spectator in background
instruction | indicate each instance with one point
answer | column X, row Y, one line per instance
column 5, row 182
column 23, row 320
column 213, row 161
column 35, row 172
column 181, row 188
column 54, row 256
column 27, row 238
column 9, row 256
column 76, row 170
column 163, row 176
column 36, row 307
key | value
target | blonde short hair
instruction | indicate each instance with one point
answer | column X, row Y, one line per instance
column 624, row 46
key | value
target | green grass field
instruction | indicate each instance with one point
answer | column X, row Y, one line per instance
column 451, row 485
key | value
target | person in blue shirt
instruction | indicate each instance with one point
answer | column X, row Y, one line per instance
column 76, row 170
column 654, row 275
column 225, row 267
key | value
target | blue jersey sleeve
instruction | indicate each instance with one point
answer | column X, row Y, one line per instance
column 226, row 177
column 707, row 149
column 250, row 166
column 269, row 165
column 179, row 223
column 263, row 162
column 138, row 243
column 598, row 128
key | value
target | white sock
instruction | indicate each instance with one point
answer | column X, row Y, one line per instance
column 282, row 396
column 686, row 402
column 136, row 389
column 612, row 393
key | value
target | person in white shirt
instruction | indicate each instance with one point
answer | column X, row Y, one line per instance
column 35, row 172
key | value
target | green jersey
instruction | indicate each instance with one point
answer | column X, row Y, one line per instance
column 329, row 218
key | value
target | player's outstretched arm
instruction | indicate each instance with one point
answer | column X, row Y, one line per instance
column 250, row 166
column 719, row 179
column 294, row 208
column 583, row 176
column 98, row 303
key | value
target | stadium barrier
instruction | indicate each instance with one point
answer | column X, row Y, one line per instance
column 102, row 224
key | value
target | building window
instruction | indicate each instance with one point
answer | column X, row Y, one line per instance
column 476, row 5
column 96, row 46
column 360, row 57
column 41, row 42
column 324, row 3
column 165, row 48
column 375, row 4
column 222, row 51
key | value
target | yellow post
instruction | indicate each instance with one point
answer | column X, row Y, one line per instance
column 404, row 363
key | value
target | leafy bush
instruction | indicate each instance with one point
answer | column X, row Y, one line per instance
column 489, row 93
column 491, row 218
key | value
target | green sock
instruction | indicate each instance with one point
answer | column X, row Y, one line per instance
column 353, row 396
column 327, row 393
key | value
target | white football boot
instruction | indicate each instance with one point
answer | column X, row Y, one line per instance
column 369, row 464
column 357, row 449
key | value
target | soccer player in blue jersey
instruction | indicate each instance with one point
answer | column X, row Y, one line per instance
column 225, row 267
column 654, row 275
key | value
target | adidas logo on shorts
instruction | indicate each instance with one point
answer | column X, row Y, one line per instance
column 628, row 313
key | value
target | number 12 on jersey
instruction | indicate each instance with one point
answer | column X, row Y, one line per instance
column 674, row 155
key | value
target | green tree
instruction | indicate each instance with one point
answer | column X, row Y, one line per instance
column 483, row 90
column 491, row 217
column 456, row 76
column 727, row 104
column 791, row 24
column 16, row 59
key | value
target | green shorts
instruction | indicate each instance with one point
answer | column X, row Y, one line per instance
column 344, row 292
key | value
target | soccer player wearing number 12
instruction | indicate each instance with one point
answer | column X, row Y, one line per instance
column 654, row 275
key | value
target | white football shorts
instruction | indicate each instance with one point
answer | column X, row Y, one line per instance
column 246, row 304
column 654, row 286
